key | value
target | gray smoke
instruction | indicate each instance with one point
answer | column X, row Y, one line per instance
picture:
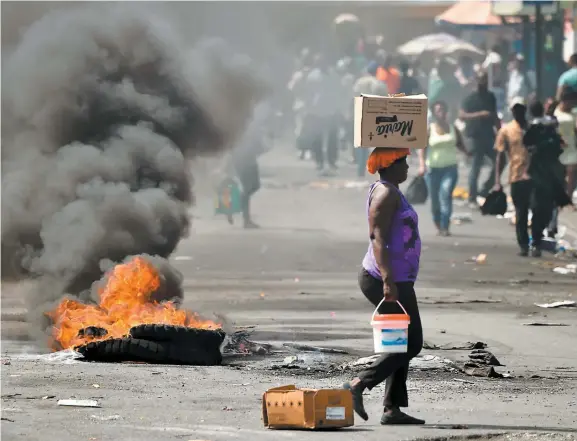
column 102, row 108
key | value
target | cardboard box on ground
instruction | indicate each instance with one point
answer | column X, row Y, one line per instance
column 287, row 407
column 395, row 121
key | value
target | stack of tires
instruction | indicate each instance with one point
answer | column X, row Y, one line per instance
column 164, row 344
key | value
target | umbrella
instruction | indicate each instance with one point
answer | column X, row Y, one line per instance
column 440, row 44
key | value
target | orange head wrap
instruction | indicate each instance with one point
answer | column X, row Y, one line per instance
column 384, row 157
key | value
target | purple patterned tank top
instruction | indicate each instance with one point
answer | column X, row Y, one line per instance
column 403, row 243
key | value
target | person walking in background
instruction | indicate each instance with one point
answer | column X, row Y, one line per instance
column 567, row 126
column 387, row 73
column 408, row 84
column 440, row 166
column 510, row 142
column 568, row 79
column 443, row 85
column 479, row 112
column 546, row 171
column 368, row 85
column 389, row 271
column 518, row 84
column 244, row 160
column 465, row 74
column 322, row 115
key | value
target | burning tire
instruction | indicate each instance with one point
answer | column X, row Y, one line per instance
column 194, row 337
column 134, row 349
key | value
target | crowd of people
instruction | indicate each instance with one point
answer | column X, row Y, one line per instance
column 475, row 110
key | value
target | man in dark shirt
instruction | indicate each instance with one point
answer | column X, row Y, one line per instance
column 479, row 112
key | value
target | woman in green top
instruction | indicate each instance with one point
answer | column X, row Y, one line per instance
column 440, row 166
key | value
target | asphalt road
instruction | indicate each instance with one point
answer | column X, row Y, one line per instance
column 295, row 280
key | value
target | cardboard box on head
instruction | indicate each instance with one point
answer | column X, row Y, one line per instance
column 395, row 121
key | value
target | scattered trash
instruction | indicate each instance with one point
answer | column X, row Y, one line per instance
column 6, row 362
column 11, row 395
column 567, row 269
column 239, row 343
column 78, row 403
column 262, row 295
column 6, row 419
column 183, row 258
column 462, row 218
column 455, row 346
column 47, row 397
column 68, row 356
column 333, row 314
column 227, row 409
column 105, row 418
column 544, row 324
column 432, row 362
column 561, row 304
column 297, row 280
column 477, row 370
column 480, row 259
column 96, row 386
column 484, row 357
column 308, row 348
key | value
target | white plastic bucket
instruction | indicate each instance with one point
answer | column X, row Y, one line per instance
column 390, row 331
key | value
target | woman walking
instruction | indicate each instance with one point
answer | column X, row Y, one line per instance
column 440, row 166
column 389, row 271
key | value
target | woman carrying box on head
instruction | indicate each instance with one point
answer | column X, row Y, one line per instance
column 388, row 273
column 439, row 164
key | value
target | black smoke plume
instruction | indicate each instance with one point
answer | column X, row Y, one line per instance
column 102, row 108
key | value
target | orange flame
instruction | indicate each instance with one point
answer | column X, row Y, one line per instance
column 125, row 301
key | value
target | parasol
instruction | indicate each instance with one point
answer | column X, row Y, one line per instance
column 439, row 44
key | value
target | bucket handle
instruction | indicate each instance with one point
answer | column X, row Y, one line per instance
column 379, row 305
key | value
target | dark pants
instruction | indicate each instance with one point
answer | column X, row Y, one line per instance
column 249, row 177
column 441, row 183
column 481, row 148
column 393, row 367
column 325, row 134
column 526, row 197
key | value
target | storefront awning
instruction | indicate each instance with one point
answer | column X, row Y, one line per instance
column 469, row 15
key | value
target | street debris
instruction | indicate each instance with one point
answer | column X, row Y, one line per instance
column 105, row 418
column 78, row 403
column 462, row 218
column 68, row 356
column 484, row 357
column 567, row 269
column 455, row 346
column 479, row 370
column 307, row 348
column 6, row 419
column 560, row 304
column 6, row 362
column 239, row 343
column 544, row 324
